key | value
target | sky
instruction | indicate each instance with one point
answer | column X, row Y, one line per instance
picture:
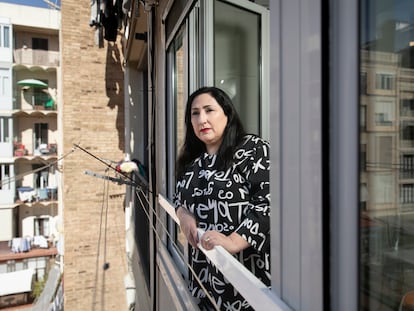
column 35, row 3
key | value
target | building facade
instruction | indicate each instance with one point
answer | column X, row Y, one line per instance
column 329, row 83
column 95, row 265
column 29, row 144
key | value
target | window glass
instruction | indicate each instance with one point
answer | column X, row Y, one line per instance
column 41, row 226
column 237, row 60
column 387, row 155
column 40, row 134
column 4, row 84
column 4, row 177
column 40, row 44
column 6, row 37
column 179, row 101
column 4, row 130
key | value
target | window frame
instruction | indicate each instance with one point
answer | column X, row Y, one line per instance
column 200, row 65
column 344, row 56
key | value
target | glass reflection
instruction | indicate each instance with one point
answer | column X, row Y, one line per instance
column 387, row 155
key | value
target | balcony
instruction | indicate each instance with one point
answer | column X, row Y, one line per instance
column 27, row 56
column 34, row 101
column 20, row 150
column 31, row 195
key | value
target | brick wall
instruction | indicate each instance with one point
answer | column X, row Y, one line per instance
column 92, row 116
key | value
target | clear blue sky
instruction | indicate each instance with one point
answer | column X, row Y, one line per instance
column 35, row 3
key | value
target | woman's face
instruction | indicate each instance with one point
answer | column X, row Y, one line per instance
column 208, row 121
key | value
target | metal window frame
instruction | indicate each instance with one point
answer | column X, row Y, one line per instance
column 344, row 142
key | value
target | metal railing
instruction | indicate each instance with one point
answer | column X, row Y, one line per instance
column 27, row 56
column 259, row 296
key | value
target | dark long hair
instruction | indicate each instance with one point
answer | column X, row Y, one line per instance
column 232, row 136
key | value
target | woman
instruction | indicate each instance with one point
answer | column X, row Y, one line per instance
column 222, row 188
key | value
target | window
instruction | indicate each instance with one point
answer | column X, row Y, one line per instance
column 5, row 89
column 363, row 158
column 384, row 113
column 4, row 130
column 4, row 176
column 384, row 81
column 40, row 176
column 177, row 62
column 407, row 133
column 407, row 193
column 41, row 226
column 4, row 36
column 386, row 268
column 363, row 117
column 237, row 60
column 215, row 43
column 381, row 157
column 41, row 134
column 407, row 107
column 40, row 44
column 407, row 166
column 363, row 83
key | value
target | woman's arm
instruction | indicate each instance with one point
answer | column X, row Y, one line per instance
column 232, row 243
column 188, row 225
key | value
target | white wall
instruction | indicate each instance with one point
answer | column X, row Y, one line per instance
column 6, row 224
column 30, row 16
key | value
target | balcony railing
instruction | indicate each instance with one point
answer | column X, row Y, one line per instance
column 36, row 57
column 20, row 150
column 29, row 194
column 31, row 101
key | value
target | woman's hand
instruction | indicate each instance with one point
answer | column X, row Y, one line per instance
column 188, row 225
column 232, row 243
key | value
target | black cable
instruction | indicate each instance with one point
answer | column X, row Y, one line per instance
column 105, row 183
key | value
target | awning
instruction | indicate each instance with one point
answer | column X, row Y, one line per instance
column 16, row 282
column 32, row 83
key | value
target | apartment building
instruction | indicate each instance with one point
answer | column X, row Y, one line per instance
column 29, row 147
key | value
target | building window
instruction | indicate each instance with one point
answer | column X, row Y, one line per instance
column 4, row 130
column 40, row 44
column 237, row 60
column 407, row 166
column 407, row 107
column 363, row 158
column 40, row 176
column 407, row 134
column 4, row 36
column 4, row 176
column 40, row 134
column 384, row 81
column 229, row 55
column 386, row 270
column 41, row 226
column 407, row 193
column 177, row 62
column 363, row 117
column 363, row 83
column 5, row 89
column 384, row 113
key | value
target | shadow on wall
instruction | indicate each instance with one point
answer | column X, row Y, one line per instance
column 114, row 84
